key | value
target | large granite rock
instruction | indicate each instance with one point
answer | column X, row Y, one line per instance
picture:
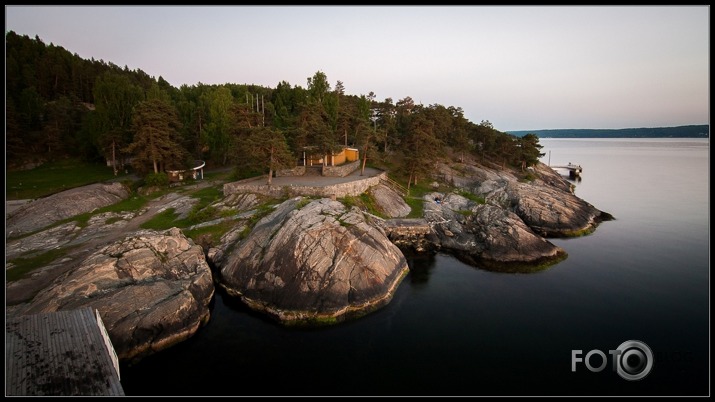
column 46, row 211
column 486, row 235
column 238, row 202
column 546, row 204
column 389, row 202
column 152, row 290
column 315, row 264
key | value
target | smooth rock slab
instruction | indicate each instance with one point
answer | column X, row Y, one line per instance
column 319, row 264
column 46, row 211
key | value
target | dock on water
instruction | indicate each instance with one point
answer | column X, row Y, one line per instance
column 62, row 353
column 574, row 170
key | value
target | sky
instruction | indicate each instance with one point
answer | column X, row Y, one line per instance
column 520, row 68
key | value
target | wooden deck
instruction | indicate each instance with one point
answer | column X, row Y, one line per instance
column 60, row 353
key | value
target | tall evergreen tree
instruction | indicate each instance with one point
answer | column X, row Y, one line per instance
column 217, row 134
column 318, row 87
column 529, row 150
column 266, row 148
column 115, row 97
column 157, row 139
column 421, row 148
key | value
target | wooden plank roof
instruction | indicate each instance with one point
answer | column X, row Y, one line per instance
column 59, row 353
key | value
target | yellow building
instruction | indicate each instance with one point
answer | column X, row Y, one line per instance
column 311, row 158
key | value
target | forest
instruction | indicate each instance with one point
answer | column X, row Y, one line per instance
column 59, row 105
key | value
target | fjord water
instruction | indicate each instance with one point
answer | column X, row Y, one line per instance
column 453, row 329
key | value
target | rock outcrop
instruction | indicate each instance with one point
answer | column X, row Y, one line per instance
column 546, row 204
column 46, row 211
column 486, row 235
column 152, row 289
column 68, row 234
column 315, row 264
column 389, row 202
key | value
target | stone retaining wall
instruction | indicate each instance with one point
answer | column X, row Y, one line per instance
column 296, row 171
column 342, row 170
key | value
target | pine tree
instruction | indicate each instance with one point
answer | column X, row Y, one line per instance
column 157, row 139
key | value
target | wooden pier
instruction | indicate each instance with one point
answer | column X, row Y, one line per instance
column 62, row 353
column 574, row 170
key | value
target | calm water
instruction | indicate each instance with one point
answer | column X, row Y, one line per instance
column 453, row 329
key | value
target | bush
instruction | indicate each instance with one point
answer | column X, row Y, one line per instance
column 199, row 214
column 157, row 179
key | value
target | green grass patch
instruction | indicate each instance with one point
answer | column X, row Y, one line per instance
column 245, row 232
column 349, row 201
column 209, row 236
column 199, row 214
column 202, row 211
column 227, row 213
column 417, row 207
column 364, row 201
column 25, row 265
column 112, row 220
column 303, row 202
column 465, row 212
column 527, row 178
column 82, row 219
column 208, row 195
column 162, row 221
column 369, row 202
column 471, row 197
column 53, row 177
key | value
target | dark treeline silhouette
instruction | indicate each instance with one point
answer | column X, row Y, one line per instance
column 692, row 131
column 60, row 105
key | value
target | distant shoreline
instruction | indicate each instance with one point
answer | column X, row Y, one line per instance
column 693, row 131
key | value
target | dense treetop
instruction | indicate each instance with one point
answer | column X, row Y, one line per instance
column 58, row 105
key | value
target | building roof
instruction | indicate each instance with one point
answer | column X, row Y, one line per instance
column 60, row 353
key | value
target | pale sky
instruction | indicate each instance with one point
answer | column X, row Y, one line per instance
column 521, row 68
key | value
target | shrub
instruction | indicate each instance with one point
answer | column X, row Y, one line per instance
column 157, row 179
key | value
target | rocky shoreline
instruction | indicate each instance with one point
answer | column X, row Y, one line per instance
column 307, row 261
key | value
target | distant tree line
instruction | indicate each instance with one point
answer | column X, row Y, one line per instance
column 59, row 105
column 691, row 131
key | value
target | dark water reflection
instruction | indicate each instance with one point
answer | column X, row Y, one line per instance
column 453, row 329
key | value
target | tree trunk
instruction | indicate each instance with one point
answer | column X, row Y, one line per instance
column 198, row 140
column 364, row 160
column 114, row 159
column 270, row 168
column 156, row 168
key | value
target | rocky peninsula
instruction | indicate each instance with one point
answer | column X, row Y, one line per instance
column 301, row 260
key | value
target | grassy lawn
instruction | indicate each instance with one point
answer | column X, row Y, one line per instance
column 53, row 177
